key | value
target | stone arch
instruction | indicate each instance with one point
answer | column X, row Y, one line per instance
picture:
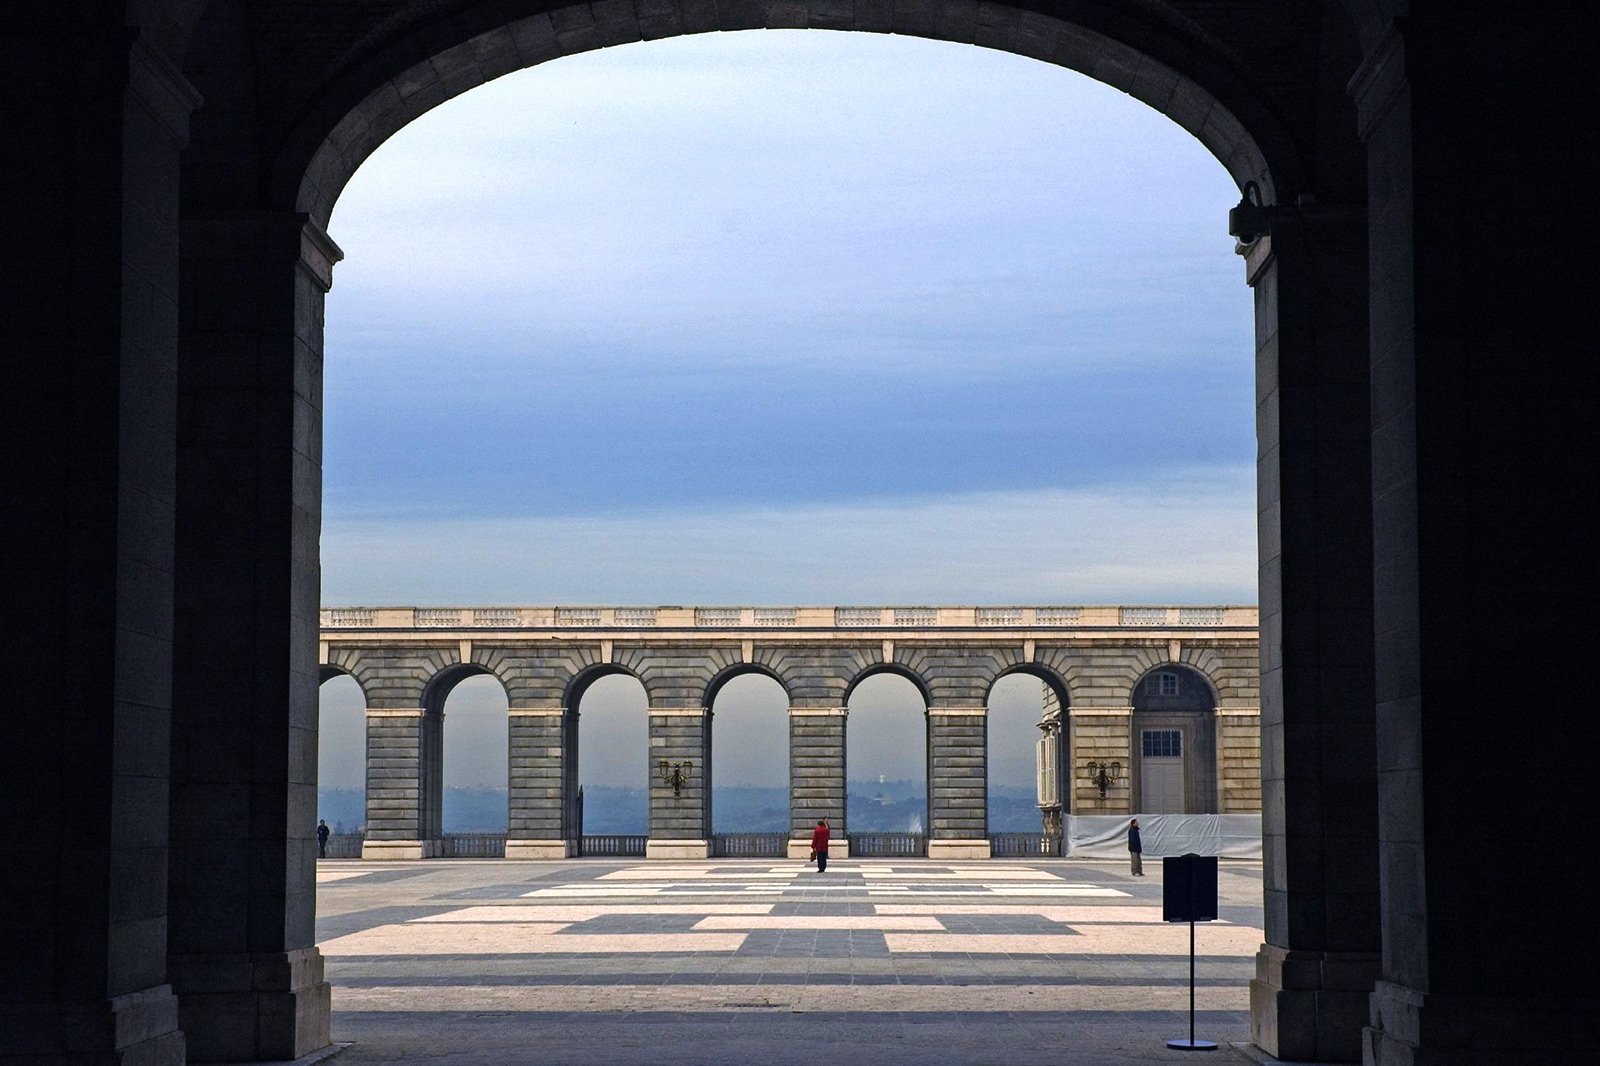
column 1185, row 716
column 899, row 670
column 739, row 670
column 1054, row 760
column 410, row 65
column 572, row 803
column 328, row 671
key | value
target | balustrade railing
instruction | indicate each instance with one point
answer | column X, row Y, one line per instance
column 776, row 616
column 635, row 616
column 854, row 617
column 1057, row 616
column 345, row 845
column 880, row 845
column 473, row 846
column 438, row 616
column 1199, row 616
column 1142, row 616
column 750, row 845
column 611, row 844
column 1029, row 845
column 999, row 616
column 577, row 616
column 916, row 616
column 722, row 617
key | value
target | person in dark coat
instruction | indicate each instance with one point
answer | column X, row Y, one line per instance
column 322, row 839
column 819, row 844
column 1135, row 849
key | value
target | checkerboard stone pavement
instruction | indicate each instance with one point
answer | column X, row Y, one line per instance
column 885, row 962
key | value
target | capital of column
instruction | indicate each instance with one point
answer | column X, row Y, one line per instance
column 536, row 712
column 266, row 236
column 396, row 712
column 963, row 712
column 1100, row 712
column 677, row 712
column 818, row 712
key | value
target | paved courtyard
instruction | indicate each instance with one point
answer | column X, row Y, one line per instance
column 885, row 962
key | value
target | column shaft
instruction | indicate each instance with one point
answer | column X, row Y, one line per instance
column 396, row 794
column 1319, row 817
column 817, row 778
column 678, row 818
column 1483, row 425
column 958, row 783
column 245, row 693
column 93, row 122
column 539, row 803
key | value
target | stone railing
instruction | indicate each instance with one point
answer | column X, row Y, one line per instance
column 461, row 618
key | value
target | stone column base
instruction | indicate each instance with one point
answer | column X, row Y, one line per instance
column 139, row 1027
column 269, row 1007
column 399, row 849
column 959, row 849
column 539, row 849
column 838, row 848
column 1411, row 1028
column 677, row 849
column 1308, row 1005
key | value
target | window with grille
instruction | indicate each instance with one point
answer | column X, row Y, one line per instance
column 1163, row 743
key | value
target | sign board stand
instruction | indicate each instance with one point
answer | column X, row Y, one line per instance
column 1189, row 893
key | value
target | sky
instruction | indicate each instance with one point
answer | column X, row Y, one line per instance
column 779, row 317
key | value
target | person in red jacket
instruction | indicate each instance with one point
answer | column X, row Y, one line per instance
column 819, row 844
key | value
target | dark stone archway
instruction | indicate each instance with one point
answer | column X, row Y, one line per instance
column 1416, row 461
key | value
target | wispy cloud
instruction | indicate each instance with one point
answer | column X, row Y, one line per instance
column 1185, row 537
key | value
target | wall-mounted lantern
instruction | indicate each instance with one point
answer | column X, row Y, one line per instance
column 1102, row 775
column 675, row 774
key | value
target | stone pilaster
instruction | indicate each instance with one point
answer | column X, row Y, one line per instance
column 1319, row 817
column 1238, row 760
column 1101, row 735
column 243, row 901
column 395, row 792
column 538, row 795
column 1482, row 387
column 679, row 819
column 817, row 778
column 958, row 785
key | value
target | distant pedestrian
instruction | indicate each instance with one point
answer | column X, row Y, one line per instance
column 1135, row 849
column 819, row 844
column 322, row 838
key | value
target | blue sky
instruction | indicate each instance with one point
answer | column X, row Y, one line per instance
column 782, row 317
column 789, row 316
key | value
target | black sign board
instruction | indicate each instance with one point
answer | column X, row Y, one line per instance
column 1189, row 888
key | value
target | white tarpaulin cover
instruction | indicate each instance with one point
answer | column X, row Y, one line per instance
column 1105, row 836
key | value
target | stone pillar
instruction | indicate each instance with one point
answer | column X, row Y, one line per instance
column 93, row 121
column 1483, row 433
column 396, row 799
column 538, row 813
column 244, row 765
column 1238, row 760
column 679, row 826
column 1319, row 800
column 817, row 778
column 958, row 782
column 1100, row 735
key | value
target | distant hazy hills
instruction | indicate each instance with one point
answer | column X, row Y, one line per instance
column 889, row 806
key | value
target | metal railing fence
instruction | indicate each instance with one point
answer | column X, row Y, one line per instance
column 614, row 844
